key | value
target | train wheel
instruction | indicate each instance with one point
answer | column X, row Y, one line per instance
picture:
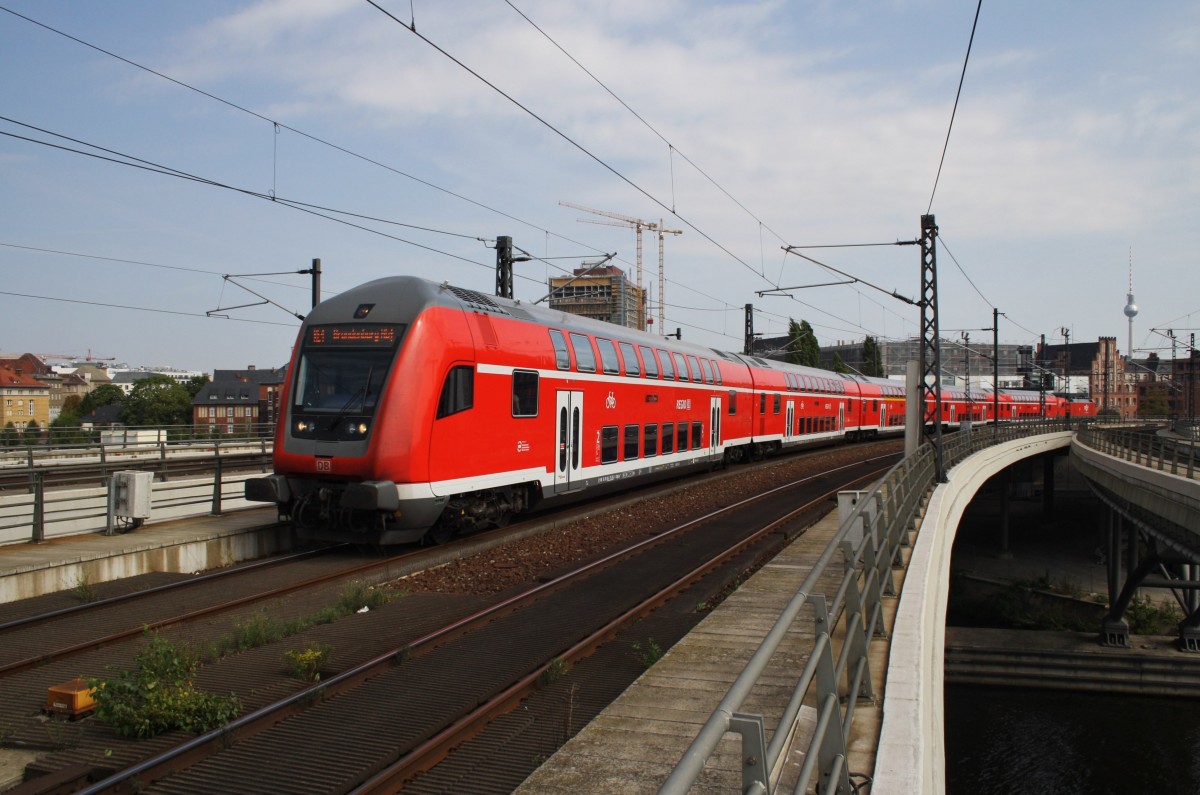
column 440, row 533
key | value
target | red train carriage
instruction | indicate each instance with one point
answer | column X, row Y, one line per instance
column 413, row 406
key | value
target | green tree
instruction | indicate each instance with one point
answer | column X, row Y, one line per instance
column 802, row 347
column 839, row 366
column 872, row 357
column 1153, row 404
column 11, row 437
column 32, row 434
column 65, row 428
column 194, row 384
column 157, row 400
column 103, row 395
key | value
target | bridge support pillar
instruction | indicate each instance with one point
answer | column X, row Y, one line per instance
column 1116, row 633
column 1048, row 485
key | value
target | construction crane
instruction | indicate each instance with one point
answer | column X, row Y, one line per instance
column 637, row 224
column 662, row 329
column 75, row 357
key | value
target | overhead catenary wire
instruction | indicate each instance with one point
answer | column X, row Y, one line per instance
column 957, row 95
column 278, row 125
column 672, row 149
column 201, row 315
column 594, row 157
column 296, row 204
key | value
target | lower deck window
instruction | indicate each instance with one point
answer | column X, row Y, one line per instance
column 650, row 441
column 697, row 435
column 608, row 444
column 682, row 439
column 525, row 393
column 668, row 438
column 631, row 442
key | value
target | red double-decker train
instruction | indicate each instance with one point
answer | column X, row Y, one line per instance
column 413, row 407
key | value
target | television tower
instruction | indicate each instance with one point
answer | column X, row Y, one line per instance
column 1131, row 309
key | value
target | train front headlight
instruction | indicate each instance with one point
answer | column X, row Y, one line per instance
column 303, row 426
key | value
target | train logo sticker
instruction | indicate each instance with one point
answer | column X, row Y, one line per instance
column 324, row 465
column 610, row 402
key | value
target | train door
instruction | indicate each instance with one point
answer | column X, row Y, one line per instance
column 841, row 417
column 569, row 433
column 882, row 414
column 791, row 420
column 714, row 424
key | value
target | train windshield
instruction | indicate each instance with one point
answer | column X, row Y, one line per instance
column 341, row 381
column 343, row 370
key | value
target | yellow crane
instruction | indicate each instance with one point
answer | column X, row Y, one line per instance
column 637, row 224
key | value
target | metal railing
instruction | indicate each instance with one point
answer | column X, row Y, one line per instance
column 1177, row 456
column 836, row 674
column 207, row 480
column 73, row 462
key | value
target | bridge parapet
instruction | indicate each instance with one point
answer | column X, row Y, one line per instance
column 836, row 675
column 1151, row 487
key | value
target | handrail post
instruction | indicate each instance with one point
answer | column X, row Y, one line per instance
column 39, row 507
column 216, row 499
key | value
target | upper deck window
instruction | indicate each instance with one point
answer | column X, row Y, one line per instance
column 585, row 357
column 631, row 360
column 650, row 362
column 562, row 357
column 681, row 366
column 608, row 356
column 668, row 369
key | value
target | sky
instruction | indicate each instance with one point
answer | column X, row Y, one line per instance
column 331, row 129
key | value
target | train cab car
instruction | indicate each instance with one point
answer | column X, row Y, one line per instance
column 413, row 406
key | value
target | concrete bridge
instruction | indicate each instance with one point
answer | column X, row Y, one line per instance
column 850, row 675
column 1149, row 484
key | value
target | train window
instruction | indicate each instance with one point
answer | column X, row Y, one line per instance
column 631, row 360
column 717, row 371
column 697, row 435
column 681, row 438
column 650, row 362
column 650, row 441
column 608, row 444
column 733, row 401
column 695, row 367
column 668, row 438
column 668, row 368
column 778, row 399
column 458, row 391
column 562, row 357
column 631, row 442
column 762, row 403
column 708, row 376
column 608, row 356
column 525, row 393
column 585, row 357
column 681, row 367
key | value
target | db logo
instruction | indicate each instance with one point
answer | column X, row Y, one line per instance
column 324, row 465
column 610, row 402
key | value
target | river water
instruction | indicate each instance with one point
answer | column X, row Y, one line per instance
column 1010, row 741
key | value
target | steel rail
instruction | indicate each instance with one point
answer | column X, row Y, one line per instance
column 198, row 748
column 438, row 747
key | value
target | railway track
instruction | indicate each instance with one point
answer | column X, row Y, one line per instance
column 411, row 677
